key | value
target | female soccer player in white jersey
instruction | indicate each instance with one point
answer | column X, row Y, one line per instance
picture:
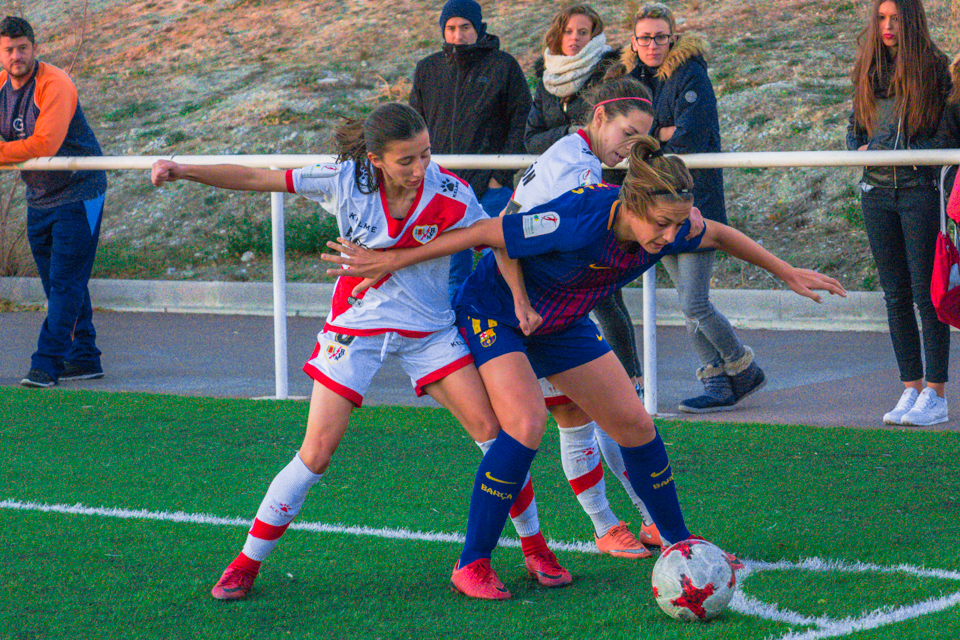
column 385, row 193
column 575, row 250
column 618, row 110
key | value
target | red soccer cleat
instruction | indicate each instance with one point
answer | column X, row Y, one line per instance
column 545, row 567
column 479, row 580
column 234, row 584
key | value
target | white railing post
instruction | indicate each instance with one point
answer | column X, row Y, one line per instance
column 650, row 341
column 279, row 296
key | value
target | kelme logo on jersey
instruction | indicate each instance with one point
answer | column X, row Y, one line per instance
column 449, row 187
column 487, row 338
column 584, row 177
column 344, row 339
column 540, row 224
column 335, row 352
column 321, row 171
column 425, row 233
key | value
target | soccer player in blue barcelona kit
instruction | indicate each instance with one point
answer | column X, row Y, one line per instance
column 573, row 251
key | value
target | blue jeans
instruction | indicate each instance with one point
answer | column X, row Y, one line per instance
column 712, row 335
column 63, row 241
column 461, row 264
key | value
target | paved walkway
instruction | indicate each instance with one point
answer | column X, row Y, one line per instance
column 826, row 378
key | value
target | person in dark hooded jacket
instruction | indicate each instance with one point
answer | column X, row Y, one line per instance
column 686, row 121
column 475, row 100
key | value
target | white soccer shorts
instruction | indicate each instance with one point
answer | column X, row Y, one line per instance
column 346, row 364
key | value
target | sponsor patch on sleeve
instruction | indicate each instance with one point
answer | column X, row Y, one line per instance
column 321, row 171
column 584, row 178
column 540, row 224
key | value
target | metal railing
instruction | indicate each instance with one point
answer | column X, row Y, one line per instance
column 783, row 159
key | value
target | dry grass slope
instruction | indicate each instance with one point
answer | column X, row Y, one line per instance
column 272, row 76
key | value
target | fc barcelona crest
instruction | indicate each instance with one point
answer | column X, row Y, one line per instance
column 487, row 338
column 425, row 233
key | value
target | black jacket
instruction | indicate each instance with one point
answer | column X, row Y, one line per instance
column 475, row 100
column 551, row 116
column 890, row 134
column 683, row 97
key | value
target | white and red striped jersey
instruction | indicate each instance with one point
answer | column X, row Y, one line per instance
column 411, row 301
column 567, row 164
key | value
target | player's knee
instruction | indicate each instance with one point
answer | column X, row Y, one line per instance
column 317, row 455
column 569, row 415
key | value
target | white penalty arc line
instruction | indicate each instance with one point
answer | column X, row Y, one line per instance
column 826, row 627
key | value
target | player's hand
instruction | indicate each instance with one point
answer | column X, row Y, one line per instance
column 665, row 133
column 804, row 281
column 357, row 261
column 696, row 223
column 529, row 319
column 165, row 171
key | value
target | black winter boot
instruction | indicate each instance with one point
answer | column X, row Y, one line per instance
column 745, row 376
column 718, row 394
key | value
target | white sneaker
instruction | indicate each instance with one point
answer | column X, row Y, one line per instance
column 906, row 402
column 929, row 409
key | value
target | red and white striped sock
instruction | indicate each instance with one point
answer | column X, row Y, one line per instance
column 580, row 457
column 280, row 506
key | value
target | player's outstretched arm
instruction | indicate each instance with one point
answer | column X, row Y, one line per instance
column 361, row 262
column 801, row 281
column 224, row 176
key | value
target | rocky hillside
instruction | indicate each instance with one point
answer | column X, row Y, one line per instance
column 271, row 76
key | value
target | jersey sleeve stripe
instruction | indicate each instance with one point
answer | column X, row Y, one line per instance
column 291, row 187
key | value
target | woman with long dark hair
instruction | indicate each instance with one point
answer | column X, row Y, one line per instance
column 900, row 83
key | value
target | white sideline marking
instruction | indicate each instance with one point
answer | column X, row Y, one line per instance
column 316, row 527
column 825, row 627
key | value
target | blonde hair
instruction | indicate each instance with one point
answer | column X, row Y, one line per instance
column 655, row 11
column 653, row 175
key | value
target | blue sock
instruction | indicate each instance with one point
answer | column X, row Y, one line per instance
column 648, row 469
column 499, row 480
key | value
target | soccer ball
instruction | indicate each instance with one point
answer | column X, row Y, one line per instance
column 693, row 580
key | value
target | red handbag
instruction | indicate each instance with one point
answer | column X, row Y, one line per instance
column 945, row 284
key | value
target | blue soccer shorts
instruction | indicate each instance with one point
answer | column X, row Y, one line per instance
column 548, row 354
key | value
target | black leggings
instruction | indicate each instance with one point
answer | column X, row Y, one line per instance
column 902, row 225
column 617, row 328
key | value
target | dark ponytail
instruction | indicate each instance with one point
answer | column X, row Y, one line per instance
column 355, row 138
column 651, row 175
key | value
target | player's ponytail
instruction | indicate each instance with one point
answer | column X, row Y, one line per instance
column 620, row 95
column 651, row 175
column 355, row 138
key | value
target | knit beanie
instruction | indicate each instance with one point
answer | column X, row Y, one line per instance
column 468, row 10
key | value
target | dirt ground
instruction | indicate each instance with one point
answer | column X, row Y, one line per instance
column 272, row 76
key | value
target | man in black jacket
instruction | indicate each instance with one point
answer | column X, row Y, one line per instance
column 474, row 99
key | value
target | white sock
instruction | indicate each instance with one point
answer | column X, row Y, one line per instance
column 580, row 458
column 523, row 513
column 614, row 460
column 280, row 506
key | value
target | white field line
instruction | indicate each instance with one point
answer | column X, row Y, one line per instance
column 825, row 627
column 315, row 527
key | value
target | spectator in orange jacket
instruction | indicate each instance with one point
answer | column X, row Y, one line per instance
column 40, row 116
